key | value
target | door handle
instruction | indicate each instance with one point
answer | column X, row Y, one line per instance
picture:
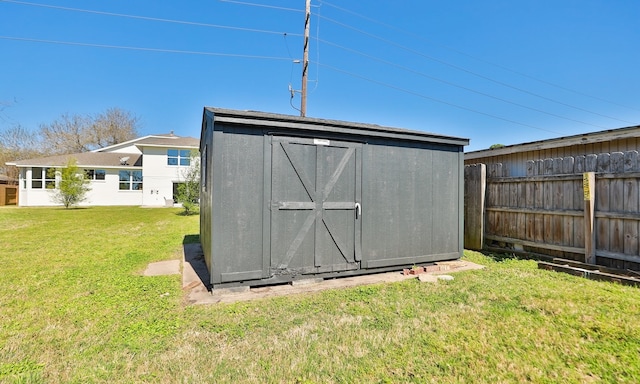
column 358, row 210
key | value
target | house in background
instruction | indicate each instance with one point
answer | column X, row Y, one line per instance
column 144, row 172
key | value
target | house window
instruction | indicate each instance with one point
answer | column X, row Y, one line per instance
column 95, row 174
column 178, row 157
column 43, row 178
column 130, row 180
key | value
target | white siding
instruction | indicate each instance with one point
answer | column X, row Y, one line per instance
column 103, row 192
column 159, row 176
column 106, row 192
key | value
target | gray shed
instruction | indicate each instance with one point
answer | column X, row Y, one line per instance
column 286, row 197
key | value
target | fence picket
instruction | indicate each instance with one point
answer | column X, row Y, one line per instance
column 616, row 160
column 616, row 204
column 557, row 166
column 568, row 165
column 631, row 161
column 580, row 164
column 591, row 163
column 603, row 164
column 631, row 226
column 568, row 221
column 602, row 205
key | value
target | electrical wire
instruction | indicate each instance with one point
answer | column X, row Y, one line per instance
column 262, row 5
column 317, row 79
column 286, row 43
column 292, row 92
column 317, row 62
column 478, row 58
column 462, row 69
column 142, row 48
column 397, row 88
column 193, row 23
column 411, row 70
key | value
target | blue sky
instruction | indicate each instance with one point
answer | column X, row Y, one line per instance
column 493, row 71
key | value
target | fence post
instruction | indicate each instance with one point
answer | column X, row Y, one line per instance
column 589, row 184
column 475, row 180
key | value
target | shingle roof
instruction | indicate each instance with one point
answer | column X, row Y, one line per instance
column 168, row 141
column 165, row 140
column 105, row 159
column 4, row 179
column 85, row 159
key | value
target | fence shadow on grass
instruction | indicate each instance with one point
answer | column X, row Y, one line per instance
column 502, row 256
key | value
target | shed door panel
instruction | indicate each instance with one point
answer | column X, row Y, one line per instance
column 314, row 225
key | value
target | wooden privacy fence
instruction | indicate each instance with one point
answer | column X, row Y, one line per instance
column 8, row 194
column 584, row 208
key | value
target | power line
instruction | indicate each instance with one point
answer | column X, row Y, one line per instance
column 192, row 23
column 262, row 5
column 411, row 70
column 415, row 52
column 479, row 59
column 317, row 79
column 318, row 59
column 432, row 98
column 144, row 49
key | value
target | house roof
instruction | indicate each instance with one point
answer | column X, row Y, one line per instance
column 4, row 179
column 163, row 140
column 106, row 158
column 85, row 160
column 581, row 139
column 169, row 141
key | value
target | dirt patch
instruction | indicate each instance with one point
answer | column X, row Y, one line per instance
column 195, row 280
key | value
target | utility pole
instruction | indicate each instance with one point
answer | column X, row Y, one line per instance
column 305, row 60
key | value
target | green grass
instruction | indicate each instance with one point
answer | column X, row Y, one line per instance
column 74, row 308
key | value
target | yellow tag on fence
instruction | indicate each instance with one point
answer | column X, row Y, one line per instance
column 586, row 186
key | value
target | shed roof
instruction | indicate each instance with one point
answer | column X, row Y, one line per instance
column 565, row 141
column 309, row 124
column 85, row 159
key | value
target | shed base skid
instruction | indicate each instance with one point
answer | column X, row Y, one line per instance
column 288, row 279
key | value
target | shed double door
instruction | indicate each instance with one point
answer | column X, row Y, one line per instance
column 315, row 205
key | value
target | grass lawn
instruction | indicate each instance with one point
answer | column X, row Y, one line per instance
column 74, row 308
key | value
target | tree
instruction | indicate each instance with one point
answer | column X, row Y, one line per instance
column 17, row 143
column 77, row 133
column 72, row 185
column 189, row 191
column 65, row 135
column 496, row 146
column 112, row 127
column 68, row 134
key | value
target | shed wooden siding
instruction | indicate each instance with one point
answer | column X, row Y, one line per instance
column 286, row 197
column 515, row 164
